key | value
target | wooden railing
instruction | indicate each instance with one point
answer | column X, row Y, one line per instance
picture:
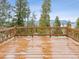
column 73, row 33
column 52, row 31
column 7, row 33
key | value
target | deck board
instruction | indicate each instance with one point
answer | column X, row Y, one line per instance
column 38, row 47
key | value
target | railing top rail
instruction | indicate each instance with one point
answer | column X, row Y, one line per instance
column 6, row 29
column 40, row 27
column 73, row 29
column 71, row 32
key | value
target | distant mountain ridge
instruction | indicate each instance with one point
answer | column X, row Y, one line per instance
column 63, row 22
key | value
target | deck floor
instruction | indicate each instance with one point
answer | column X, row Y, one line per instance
column 38, row 47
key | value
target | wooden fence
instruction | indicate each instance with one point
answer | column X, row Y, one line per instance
column 37, row 31
column 7, row 33
column 73, row 33
column 52, row 31
column 24, row 31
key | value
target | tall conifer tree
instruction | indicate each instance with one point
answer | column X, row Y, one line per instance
column 45, row 17
column 57, row 26
column 57, row 22
column 77, row 23
column 4, row 12
column 44, row 22
column 69, row 24
column 22, row 11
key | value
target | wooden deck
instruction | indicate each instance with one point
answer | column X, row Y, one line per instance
column 39, row 47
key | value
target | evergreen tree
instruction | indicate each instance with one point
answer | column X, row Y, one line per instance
column 31, row 25
column 28, row 15
column 13, row 22
column 45, row 18
column 5, row 15
column 21, row 11
column 57, row 22
column 44, row 22
column 69, row 24
column 33, row 20
column 57, row 26
column 77, row 23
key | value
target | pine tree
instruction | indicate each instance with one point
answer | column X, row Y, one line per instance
column 44, row 22
column 28, row 12
column 21, row 11
column 69, row 24
column 57, row 26
column 45, row 18
column 31, row 22
column 57, row 22
column 77, row 23
column 5, row 15
column 13, row 22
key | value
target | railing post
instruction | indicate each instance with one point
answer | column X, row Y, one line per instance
column 50, row 32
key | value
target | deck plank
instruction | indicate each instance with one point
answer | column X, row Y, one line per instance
column 38, row 47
